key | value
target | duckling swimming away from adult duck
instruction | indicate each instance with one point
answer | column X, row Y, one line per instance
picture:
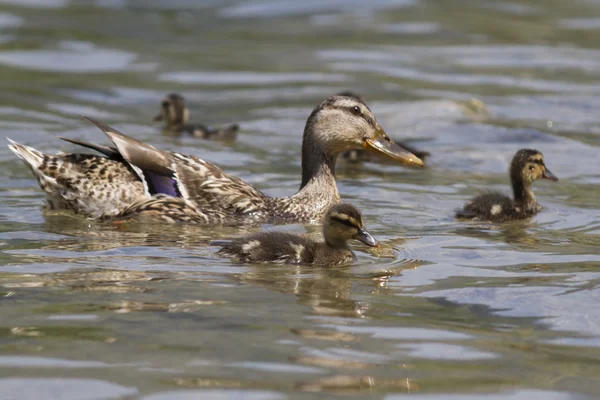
column 136, row 179
column 526, row 167
column 342, row 223
column 356, row 155
column 175, row 113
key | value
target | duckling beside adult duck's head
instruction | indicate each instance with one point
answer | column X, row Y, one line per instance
column 342, row 223
column 526, row 167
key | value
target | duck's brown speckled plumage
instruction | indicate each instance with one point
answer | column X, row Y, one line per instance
column 91, row 185
column 526, row 167
column 175, row 113
column 189, row 189
column 342, row 223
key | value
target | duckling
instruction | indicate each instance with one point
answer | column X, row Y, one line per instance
column 526, row 167
column 342, row 222
column 133, row 178
column 356, row 156
column 175, row 113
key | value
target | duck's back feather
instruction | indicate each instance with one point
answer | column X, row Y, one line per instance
column 167, row 208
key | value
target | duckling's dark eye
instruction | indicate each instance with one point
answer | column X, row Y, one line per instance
column 531, row 167
column 165, row 104
column 356, row 110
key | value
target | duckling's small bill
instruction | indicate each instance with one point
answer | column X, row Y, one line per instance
column 549, row 175
column 366, row 238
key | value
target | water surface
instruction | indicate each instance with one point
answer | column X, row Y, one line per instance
column 446, row 309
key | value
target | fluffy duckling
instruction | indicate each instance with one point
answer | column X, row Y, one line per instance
column 526, row 167
column 342, row 222
column 356, row 156
column 175, row 113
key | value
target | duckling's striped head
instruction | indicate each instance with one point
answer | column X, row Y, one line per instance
column 528, row 165
column 173, row 111
column 344, row 222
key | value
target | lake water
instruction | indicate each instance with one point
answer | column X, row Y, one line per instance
column 445, row 309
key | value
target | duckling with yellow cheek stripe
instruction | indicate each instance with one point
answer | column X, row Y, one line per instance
column 342, row 223
column 175, row 113
column 526, row 167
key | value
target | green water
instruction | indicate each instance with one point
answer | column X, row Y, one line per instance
column 446, row 309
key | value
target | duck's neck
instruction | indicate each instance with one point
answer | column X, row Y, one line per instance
column 332, row 243
column 318, row 169
column 523, row 193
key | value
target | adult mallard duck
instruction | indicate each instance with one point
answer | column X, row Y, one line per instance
column 357, row 155
column 342, row 223
column 526, row 167
column 175, row 113
column 136, row 179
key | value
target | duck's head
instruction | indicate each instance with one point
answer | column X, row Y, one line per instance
column 343, row 123
column 528, row 166
column 344, row 222
column 173, row 111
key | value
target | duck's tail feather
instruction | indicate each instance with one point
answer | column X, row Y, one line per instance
column 30, row 156
column 141, row 155
column 110, row 152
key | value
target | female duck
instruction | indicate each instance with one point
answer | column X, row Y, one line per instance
column 342, row 223
column 135, row 178
column 526, row 167
column 175, row 113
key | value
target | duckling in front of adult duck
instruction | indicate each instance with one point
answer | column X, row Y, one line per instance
column 526, row 167
column 342, row 222
column 134, row 178
column 175, row 113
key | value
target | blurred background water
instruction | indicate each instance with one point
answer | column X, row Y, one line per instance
column 447, row 309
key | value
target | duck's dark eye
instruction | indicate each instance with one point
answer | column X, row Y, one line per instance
column 531, row 167
column 356, row 110
column 165, row 104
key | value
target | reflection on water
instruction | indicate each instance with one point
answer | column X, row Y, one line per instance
column 445, row 309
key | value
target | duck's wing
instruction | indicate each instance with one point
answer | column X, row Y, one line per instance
column 162, row 207
column 202, row 184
